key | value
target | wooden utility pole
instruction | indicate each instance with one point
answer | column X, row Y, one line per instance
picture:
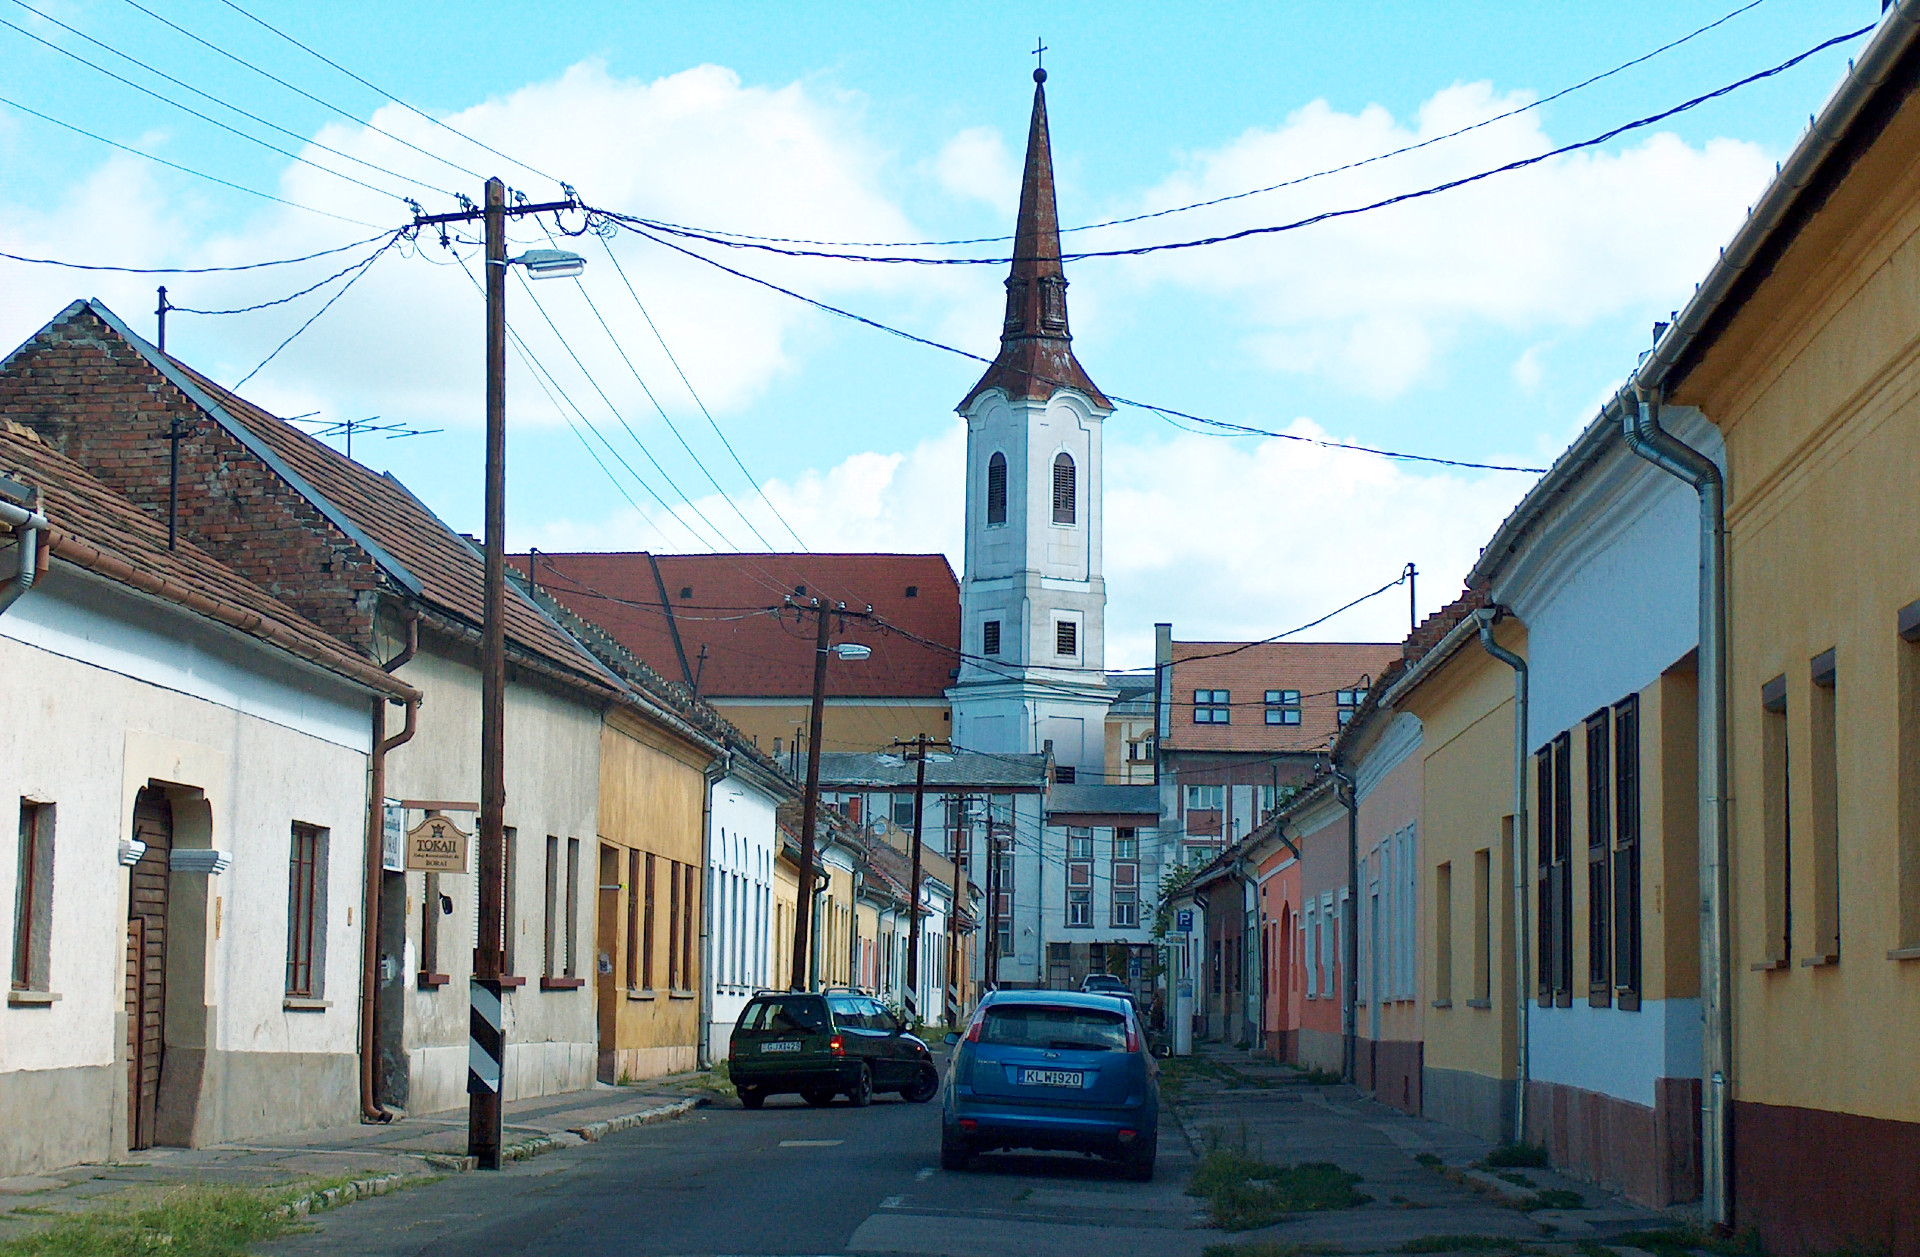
column 919, row 745
column 961, row 835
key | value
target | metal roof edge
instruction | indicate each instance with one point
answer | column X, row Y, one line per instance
column 1572, row 463
column 255, row 446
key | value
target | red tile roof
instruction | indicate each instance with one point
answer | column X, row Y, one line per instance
column 98, row 529
column 449, row 568
column 720, row 601
column 1317, row 669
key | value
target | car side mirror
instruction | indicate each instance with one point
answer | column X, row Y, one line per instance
column 952, row 1038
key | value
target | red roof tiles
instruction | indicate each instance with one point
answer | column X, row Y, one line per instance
column 1317, row 670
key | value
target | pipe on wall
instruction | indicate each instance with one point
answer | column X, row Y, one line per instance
column 716, row 772
column 27, row 526
column 1645, row 437
column 1522, row 944
column 1350, row 945
column 371, row 1109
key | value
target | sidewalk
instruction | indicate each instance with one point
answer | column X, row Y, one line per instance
column 1421, row 1175
column 351, row 1161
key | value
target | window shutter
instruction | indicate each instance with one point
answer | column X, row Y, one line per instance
column 1063, row 489
column 997, row 489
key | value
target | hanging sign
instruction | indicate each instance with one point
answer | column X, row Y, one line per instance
column 436, row 845
column 393, row 837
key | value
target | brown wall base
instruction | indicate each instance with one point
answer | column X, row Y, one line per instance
column 1816, row 1181
column 1652, row 1155
column 1284, row 1046
column 1390, row 1070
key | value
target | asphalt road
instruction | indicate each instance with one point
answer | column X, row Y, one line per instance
column 785, row 1180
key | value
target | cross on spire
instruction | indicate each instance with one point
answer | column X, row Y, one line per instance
column 1039, row 61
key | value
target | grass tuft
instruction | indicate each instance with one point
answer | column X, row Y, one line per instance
column 1555, row 1198
column 1429, row 1160
column 191, row 1222
column 1273, row 1248
column 1245, row 1194
column 1464, row 1244
column 1515, row 1157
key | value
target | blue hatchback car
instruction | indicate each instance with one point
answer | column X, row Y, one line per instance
column 1052, row 1070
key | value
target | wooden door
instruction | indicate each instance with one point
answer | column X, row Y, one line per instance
column 147, row 963
column 606, row 948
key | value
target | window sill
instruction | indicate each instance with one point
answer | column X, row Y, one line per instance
column 1443, row 1003
column 304, row 1004
column 431, row 981
column 1818, row 962
column 508, row 981
column 1769, row 966
column 1904, row 953
column 31, row 999
column 681, row 994
column 1479, row 1003
column 562, row 984
column 646, row 993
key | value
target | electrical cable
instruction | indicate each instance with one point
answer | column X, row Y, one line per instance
column 280, row 301
column 1295, row 225
column 1163, row 411
column 325, row 104
column 714, row 423
column 224, row 104
column 190, row 270
column 389, row 95
column 212, row 121
column 314, row 317
column 186, row 170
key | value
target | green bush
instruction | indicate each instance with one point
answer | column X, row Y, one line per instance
column 1520, row 1156
column 1245, row 1193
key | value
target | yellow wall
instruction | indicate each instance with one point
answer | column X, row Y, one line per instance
column 786, row 888
column 1816, row 388
column 1120, row 731
column 1466, row 709
column 652, row 797
column 846, row 727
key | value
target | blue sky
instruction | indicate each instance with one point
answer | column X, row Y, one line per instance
column 1482, row 325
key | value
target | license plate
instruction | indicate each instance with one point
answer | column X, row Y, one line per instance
column 786, row 1045
column 1050, row 1077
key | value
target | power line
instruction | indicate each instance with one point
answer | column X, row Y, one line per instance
column 1275, row 187
column 733, row 453
column 314, row 317
column 1277, row 228
column 187, row 170
column 325, row 104
column 211, row 121
column 189, row 270
column 1162, row 411
column 224, row 104
column 280, row 301
column 389, row 95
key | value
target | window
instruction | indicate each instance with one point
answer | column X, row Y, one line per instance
column 1823, row 782
column 1443, row 935
column 1553, row 882
column 990, row 638
column 1310, row 949
column 1079, row 842
column 1064, row 774
column 508, row 898
column 1599, row 729
column 1483, row 922
column 997, row 489
column 1908, row 828
column 1776, row 798
column 1066, row 638
column 1212, row 707
column 306, row 911
column 1060, row 966
column 33, row 898
column 1283, row 707
column 1126, row 844
column 634, row 883
column 1063, row 489
column 1206, row 798
column 573, row 907
column 1626, row 851
column 1346, row 702
column 1126, row 894
column 903, row 811
column 1080, row 891
column 687, row 899
column 550, row 959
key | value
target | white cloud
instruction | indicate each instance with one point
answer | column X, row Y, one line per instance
column 975, row 165
column 1375, row 300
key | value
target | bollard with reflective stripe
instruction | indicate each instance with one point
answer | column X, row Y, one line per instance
column 486, row 1048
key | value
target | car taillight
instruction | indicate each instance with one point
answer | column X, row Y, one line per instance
column 973, row 1030
column 837, row 1045
column 1133, row 1036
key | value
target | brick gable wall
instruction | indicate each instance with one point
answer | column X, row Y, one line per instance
column 92, row 396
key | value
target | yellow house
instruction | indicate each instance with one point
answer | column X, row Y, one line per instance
column 1802, row 347
column 1464, row 698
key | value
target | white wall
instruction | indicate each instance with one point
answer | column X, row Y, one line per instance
column 740, row 890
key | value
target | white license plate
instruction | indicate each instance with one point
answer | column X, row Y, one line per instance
column 1050, row 1077
column 785, row 1045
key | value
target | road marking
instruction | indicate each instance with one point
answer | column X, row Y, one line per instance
column 811, row 1143
column 924, row 1173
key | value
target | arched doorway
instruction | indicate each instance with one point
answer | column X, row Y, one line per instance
column 146, row 959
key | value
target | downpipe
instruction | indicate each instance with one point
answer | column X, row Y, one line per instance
column 371, row 1110
column 1350, row 945
column 1645, row 437
column 27, row 526
column 1487, row 617
column 716, row 773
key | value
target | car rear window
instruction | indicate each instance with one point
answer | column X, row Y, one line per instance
column 793, row 1014
column 1049, row 1026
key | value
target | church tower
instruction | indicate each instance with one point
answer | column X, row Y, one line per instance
column 1033, row 600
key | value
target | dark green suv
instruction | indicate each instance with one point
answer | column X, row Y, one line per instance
column 820, row 1046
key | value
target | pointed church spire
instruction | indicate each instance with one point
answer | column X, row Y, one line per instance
column 1036, row 354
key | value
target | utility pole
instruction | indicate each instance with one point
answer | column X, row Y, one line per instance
column 919, row 744
column 960, row 833
column 1413, row 604
column 486, row 1047
column 823, row 614
column 160, row 313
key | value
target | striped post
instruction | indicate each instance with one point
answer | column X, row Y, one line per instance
column 486, row 1049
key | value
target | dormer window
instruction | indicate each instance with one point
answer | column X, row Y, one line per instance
column 1063, row 489
column 997, row 489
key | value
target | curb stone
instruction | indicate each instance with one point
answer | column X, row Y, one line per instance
column 332, row 1197
column 593, row 1132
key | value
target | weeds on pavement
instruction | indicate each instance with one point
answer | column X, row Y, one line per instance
column 1555, row 1198
column 1245, row 1193
column 1318, row 1077
column 1684, row 1241
column 1272, row 1248
column 191, row 1222
column 1519, row 1156
column 1490, row 1244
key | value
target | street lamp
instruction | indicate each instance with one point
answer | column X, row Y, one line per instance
column 550, row 263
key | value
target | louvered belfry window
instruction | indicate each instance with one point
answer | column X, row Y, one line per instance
column 997, row 489
column 1063, row 489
